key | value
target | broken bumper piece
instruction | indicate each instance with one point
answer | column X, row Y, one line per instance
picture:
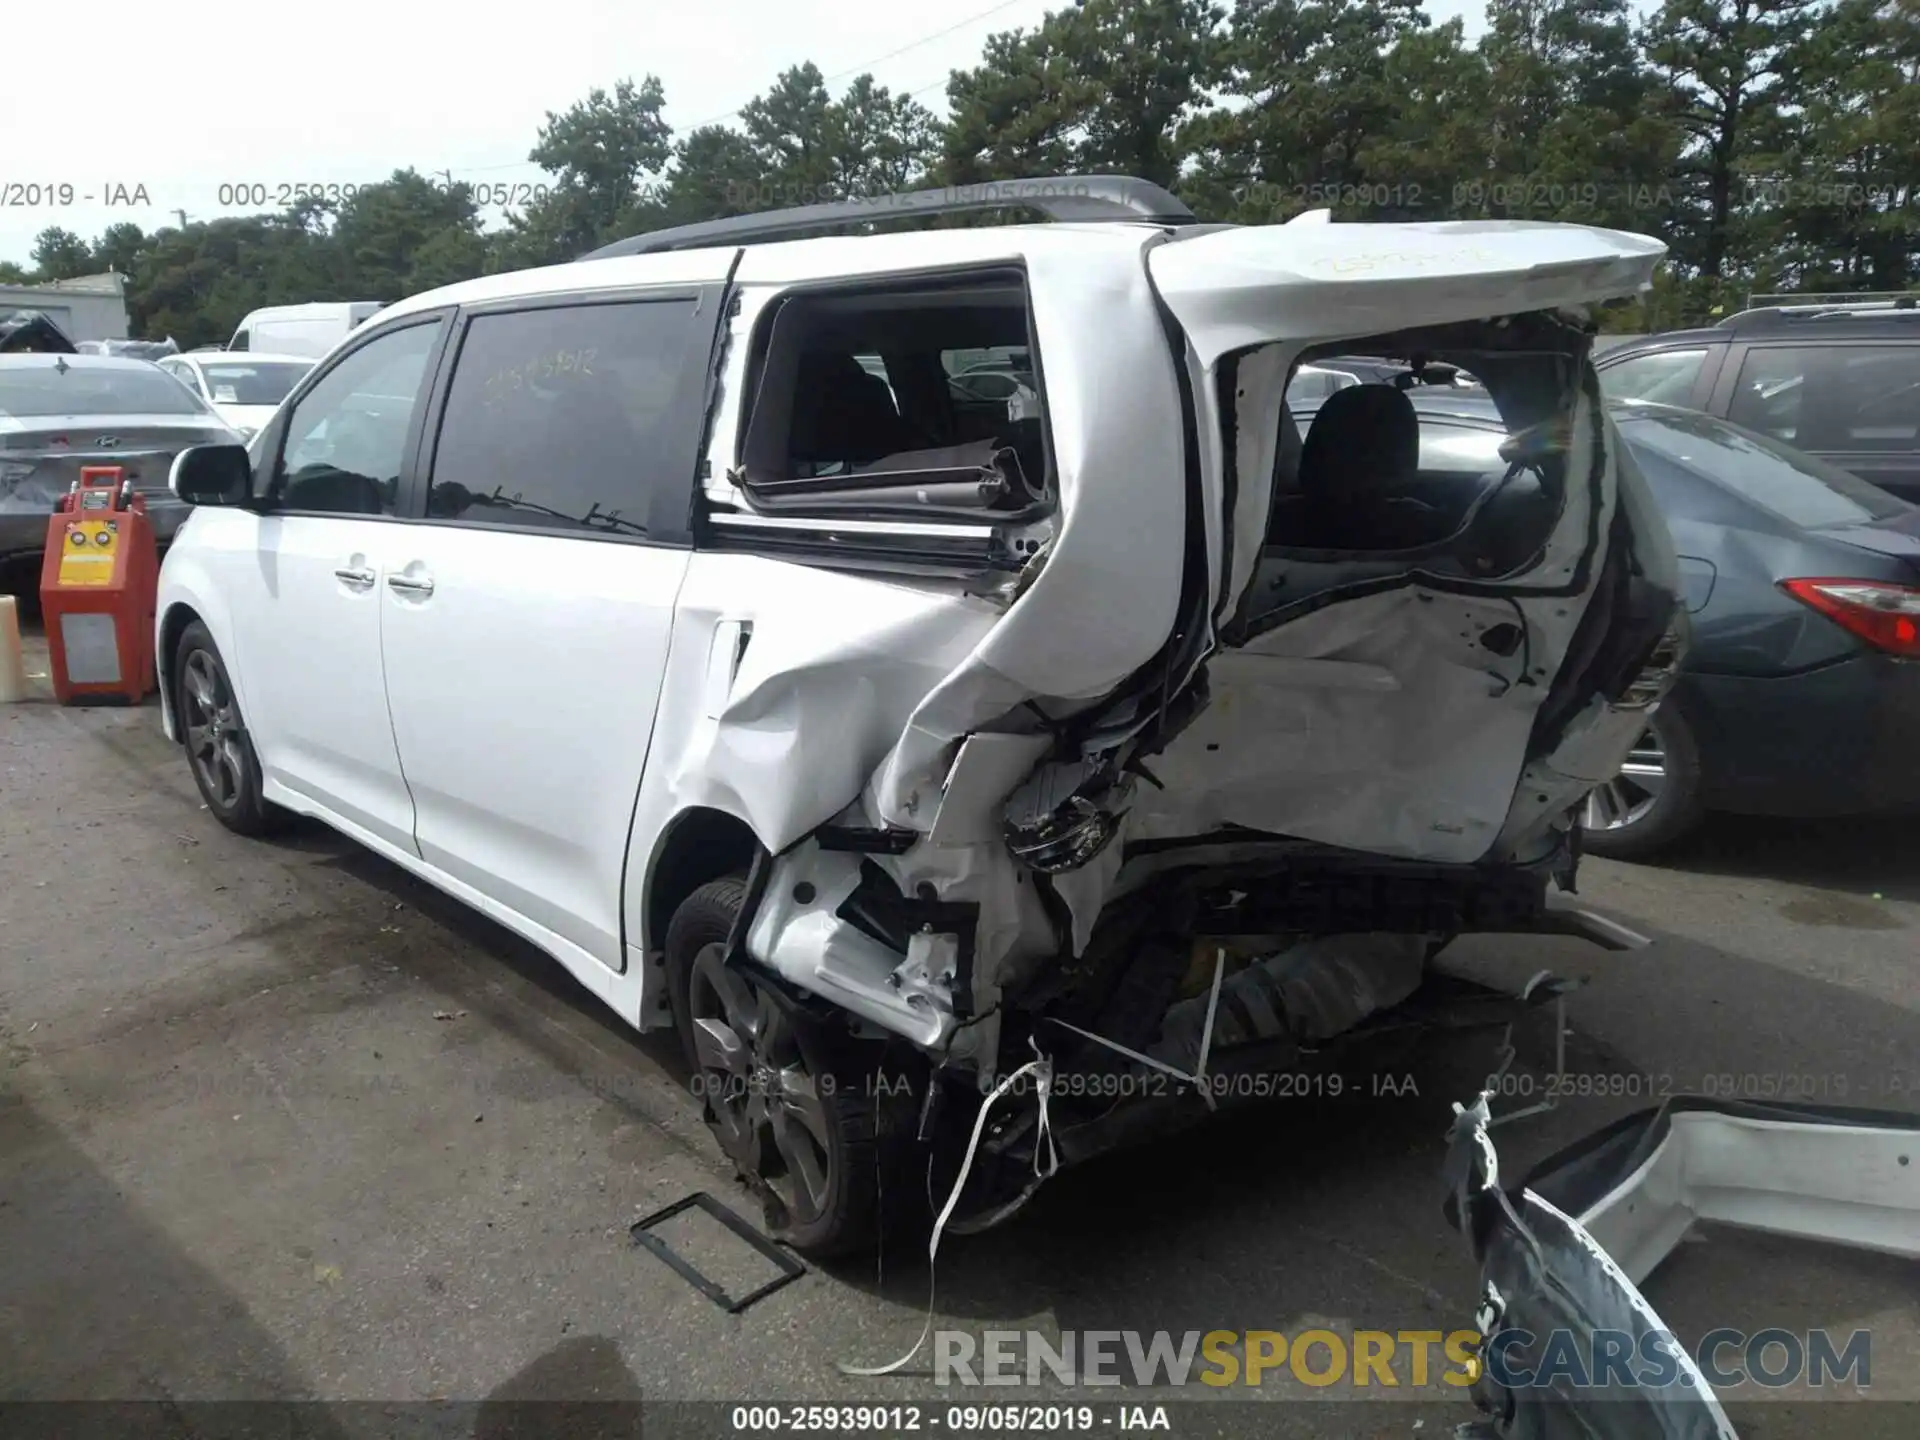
column 1565, row 1249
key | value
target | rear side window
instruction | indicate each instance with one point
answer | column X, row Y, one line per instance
column 1665, row 377
column 1778, row 478
column 958, row 435
column 1310, row 385
column 574, row 419
column 1832, row 397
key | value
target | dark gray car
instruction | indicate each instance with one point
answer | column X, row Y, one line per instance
column 1838, row 381
column 59, row 413
column 1800, row 695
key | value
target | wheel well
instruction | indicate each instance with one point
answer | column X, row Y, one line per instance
column 699, row 846
column 172, row 626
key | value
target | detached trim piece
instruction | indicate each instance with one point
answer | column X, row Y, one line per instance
column 1066, row 199
column 1843, row 1176
column 1568, row 1247
column 790, row 1268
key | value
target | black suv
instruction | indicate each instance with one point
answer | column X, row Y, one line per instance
column 1841, row 381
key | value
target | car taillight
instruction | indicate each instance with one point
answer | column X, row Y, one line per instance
column 1887, row 617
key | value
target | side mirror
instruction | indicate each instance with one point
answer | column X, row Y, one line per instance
column 212, row 475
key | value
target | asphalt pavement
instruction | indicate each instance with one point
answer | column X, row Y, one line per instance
column 279, row 1122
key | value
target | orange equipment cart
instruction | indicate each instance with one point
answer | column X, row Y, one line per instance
column 98, row 585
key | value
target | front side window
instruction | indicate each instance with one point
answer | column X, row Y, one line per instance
column 1832, row 397
column 1664, row 377
column 567, row 418
column 347, row 436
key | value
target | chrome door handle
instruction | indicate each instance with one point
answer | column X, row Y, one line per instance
column 359, row 579
column 408, row 585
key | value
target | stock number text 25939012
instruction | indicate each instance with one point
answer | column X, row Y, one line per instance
column 262, row 194
column 903, row 1419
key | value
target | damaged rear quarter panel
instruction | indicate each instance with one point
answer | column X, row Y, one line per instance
column 855, row 690
column 1108, row 591
column 830, row 667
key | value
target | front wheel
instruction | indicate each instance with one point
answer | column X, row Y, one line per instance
column 1654, row 802
column 784, row 1094
column 219, row 751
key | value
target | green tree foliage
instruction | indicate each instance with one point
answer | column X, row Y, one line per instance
column 60, row 254
column 1099, row 88
column 1727, row 70
column 1839, row 206
column 1574, row 128
column 804, row 147
column 1773, row 144
column 605, row 154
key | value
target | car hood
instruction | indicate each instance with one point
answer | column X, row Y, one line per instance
column 28, row 330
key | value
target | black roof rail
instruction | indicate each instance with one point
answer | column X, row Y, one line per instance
column 1787, row 298
column 1812, row 308
column 1062, row 198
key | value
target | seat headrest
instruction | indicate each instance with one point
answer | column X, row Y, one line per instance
column 1364, row 438
column 843, row 412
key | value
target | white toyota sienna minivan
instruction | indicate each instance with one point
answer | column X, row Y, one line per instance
column 1085, row 749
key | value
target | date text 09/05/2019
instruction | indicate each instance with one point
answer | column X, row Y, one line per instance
column 953, row 1419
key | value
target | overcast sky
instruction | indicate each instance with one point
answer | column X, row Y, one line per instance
column 163, row 105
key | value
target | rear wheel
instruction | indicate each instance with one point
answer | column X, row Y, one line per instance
column 1654, row 802
column 785, row 1095
column 219, row 750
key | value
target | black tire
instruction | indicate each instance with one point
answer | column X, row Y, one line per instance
column 1676, row 810
column 214, row 735
column 838, row 1213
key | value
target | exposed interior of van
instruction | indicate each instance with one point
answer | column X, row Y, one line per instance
column 922, row 402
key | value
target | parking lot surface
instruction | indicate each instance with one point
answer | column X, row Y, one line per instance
column 276, row 1121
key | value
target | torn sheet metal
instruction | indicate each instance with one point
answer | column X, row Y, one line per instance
column 1107, row 592
column 815, row 695
column 1377, row 718
column 1541, row 1272
column 1568, row 1246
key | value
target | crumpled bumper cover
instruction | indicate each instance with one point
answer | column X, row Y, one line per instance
column 1566, row 1248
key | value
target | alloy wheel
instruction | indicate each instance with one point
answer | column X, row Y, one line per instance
column 1630, row 796
column 764, row 1102
column 213, row 728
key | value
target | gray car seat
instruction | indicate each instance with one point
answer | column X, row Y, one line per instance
column 1360, row 458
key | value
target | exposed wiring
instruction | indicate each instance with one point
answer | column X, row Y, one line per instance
column 1041, row 1068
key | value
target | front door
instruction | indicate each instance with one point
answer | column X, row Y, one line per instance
column 307, row 619
column 528, row 618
